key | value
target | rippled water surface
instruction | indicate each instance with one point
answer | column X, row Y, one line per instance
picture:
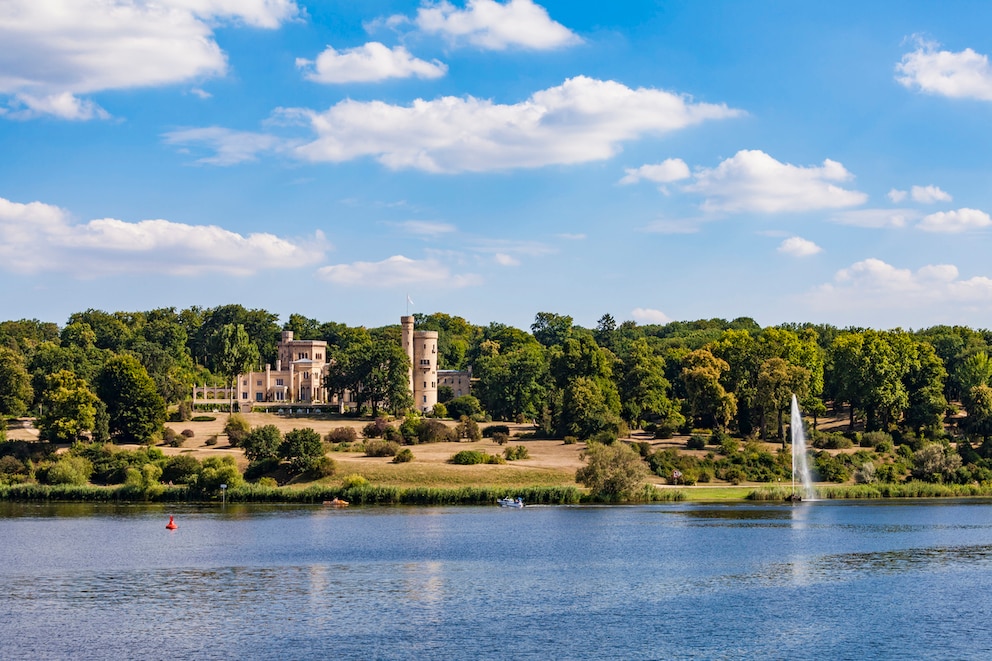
column 817, row 580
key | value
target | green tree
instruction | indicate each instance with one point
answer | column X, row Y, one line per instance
column 709, row 402
column 235, row 354
column 68, row 408
column 135, row 409
column 302, row 448
column 979, row 408
column 643, row 388
column 612, row 472
column 551, row 329
column 464, row 406
column 777, row 382
column 511, row 383
column 16, row 392
column 262, row 443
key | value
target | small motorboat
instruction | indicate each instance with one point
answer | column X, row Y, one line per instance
column 337, row 502
column 510, row 502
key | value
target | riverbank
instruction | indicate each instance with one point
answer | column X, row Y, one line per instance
column 430, row 496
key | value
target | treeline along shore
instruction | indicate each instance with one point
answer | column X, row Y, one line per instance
column 100, row 408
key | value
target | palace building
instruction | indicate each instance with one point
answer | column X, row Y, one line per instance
column 298, row 377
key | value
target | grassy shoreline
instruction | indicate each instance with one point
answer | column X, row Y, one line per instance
column 470, row 495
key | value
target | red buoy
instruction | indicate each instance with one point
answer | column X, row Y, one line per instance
column 171, row 525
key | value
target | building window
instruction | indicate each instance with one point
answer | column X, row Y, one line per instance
column 433, row 385
column 425, row 384
column 244, row 395
column 258, row 383
column 279, row 382
column 425, row 399
column 245, row 382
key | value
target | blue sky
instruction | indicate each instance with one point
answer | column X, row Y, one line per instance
column 824, row 162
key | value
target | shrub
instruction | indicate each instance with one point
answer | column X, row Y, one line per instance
column 834, row 441
column 237, row 429
column 393, row 434
column 267, row 482
column 665, row 430
column 354, row 480
column 500, row 438
column 604, row 437
column 342, row 435
column 439, row 411
column 435, row 431
column 728, row 445
column 467, row 405
column 612, row 472
column 872, row 439
column 170, row 437
column 491, row 430
column 375, row 447
column 516, row 452
column 211, row 440
column 696, row 442
column 324, row 467
column 69, row 469
column 204, row 418
column 261, row 467
column 188, row 433
column 376, row 429
column 468, row 428
column 403, row 456
column 570, row 440
column 180, row 469
column 185, row 411
column 469, row 457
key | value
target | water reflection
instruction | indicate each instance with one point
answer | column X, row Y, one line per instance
column 673, row 580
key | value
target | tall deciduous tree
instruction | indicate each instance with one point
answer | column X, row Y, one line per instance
column 135, row 410
column 68, row 408
column 15, row 383
column 551, row 329
column 612, row 472
column 709, row 401
column 236, row 353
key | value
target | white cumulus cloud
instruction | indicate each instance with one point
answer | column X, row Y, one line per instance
column 799, row 247
column 369, row 63
column 929, row 194
column 52, row 51
column 493, row 25
column 897, row 196
column 38, row 237
column 669, row 170
column 873, row 286
column 581, row 120
column 953, row 222
column 649, row 316
column 394, row 271
column 754, row 181
column 962, row 75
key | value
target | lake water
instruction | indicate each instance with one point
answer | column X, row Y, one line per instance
column 822, row 580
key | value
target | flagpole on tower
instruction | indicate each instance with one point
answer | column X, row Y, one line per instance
column 409, row 302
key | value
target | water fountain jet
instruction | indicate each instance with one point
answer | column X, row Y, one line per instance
column 800, row 462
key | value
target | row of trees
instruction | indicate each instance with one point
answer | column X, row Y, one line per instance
column 91, row 373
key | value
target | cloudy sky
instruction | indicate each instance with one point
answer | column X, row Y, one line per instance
column 657, row 160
